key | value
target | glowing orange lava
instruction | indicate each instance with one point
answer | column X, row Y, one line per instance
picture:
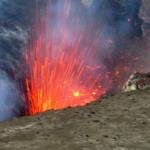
column 58, row 75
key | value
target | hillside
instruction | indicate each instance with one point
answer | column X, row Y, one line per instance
column 118, row 122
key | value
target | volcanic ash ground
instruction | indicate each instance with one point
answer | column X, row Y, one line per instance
column 119, row 122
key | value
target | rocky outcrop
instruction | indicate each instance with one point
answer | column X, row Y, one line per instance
column 116, row 123
column 137, row 81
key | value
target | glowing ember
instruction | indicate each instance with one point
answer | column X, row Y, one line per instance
column 76, row 94
column 59, row 76
column 93, row 93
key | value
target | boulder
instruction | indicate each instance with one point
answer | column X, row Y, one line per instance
column 137, row 81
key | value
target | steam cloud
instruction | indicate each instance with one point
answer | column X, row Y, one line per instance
column 13, row 38
column 10, row 101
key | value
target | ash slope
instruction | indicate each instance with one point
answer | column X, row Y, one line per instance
column 119, row 122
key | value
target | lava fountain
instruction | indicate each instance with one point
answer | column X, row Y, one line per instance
column 58, row 74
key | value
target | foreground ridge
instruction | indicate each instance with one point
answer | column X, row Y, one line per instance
column 117, row 122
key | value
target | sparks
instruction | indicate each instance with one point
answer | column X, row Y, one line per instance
column 58, row 75
column 76, row 94
column 93, row 93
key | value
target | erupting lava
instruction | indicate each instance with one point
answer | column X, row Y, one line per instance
column 61, row 80
column 59, row 75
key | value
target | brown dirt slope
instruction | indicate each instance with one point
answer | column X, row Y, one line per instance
column 119, row 122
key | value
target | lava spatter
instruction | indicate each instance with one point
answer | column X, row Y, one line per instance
column 59, row 75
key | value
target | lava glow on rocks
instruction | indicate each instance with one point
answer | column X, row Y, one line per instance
column 58, row 75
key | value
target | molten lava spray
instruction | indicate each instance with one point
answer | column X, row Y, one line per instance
column 59, row 74
column 57, row 82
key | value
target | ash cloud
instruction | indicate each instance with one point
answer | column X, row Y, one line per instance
column 114, row 20
column 116, row 28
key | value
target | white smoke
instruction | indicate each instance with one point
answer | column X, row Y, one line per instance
column 87, row 3
column 17, row 33
column 10, row 101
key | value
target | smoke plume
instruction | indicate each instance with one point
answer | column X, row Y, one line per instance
column 13, row 38
column 10, row 100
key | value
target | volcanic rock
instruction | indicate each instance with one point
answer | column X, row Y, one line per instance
column 119, row 122
column 137, row 81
